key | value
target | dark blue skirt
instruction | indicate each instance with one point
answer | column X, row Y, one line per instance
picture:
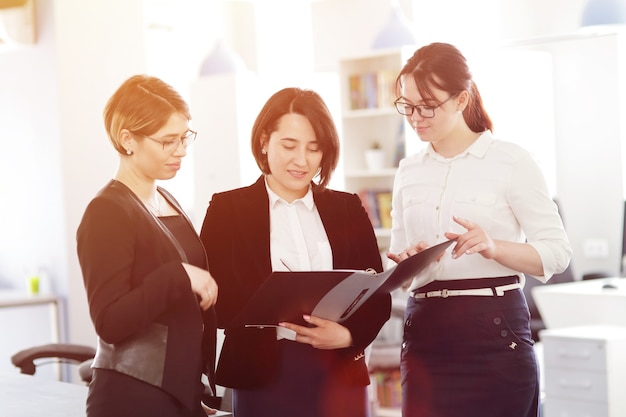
column 469, row 356
column 305, row 387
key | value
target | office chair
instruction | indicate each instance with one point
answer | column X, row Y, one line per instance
column 29, row 359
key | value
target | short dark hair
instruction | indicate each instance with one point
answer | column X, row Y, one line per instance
column 442, row 66
column 309, row 104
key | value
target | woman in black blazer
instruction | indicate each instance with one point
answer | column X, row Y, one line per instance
column 286, row 218
column 145, row 271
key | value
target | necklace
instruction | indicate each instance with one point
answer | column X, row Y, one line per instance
column 155, row 208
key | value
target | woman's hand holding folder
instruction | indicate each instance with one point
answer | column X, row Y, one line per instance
column 325, row 334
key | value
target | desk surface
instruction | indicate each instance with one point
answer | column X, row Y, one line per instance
column 27, row 396
column 582, row 303
column 14, row 298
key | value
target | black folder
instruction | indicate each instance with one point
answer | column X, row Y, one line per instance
column 332, row 295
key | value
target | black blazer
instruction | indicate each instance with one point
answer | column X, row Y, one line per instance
column 236, row 235
column 140, row 298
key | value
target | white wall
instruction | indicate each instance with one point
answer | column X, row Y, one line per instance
column 589, row 116
column 91, row 67
column 31, row 218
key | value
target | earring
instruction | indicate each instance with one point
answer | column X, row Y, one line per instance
column 129, row 152
column 264, row 151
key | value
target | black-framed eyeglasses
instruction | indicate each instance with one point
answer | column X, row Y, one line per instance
column 425, row 111
column 171, row 145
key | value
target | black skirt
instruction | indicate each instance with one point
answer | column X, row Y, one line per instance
column 305, row 387
column 469, row 356
column 114, row 394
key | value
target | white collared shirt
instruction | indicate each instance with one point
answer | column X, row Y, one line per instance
column 297, row 235
column 298, row 240
column 495, row 184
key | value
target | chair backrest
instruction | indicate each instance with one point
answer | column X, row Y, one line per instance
column 28, row 359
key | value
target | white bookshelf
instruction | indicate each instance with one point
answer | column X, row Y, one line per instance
column 373, row 118
column 367, row 116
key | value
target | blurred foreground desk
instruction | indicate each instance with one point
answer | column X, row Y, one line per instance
column 26, row 396
column 582, row 303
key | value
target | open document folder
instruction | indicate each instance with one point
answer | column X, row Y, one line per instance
column 332, row 295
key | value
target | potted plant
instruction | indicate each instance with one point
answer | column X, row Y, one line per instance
column 375, row 156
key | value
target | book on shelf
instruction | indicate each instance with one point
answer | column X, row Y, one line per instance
column 357, row 95
column 400, row 144
column 377, row 204
column 384, row 208
column 388, row 387
column 386, row 87
column 372, row 90
column 363, row 91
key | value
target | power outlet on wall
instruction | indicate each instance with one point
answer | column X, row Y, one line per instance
column 596, row 248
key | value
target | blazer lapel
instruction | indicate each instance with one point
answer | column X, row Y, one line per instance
column 333, row 214
column 254, row 229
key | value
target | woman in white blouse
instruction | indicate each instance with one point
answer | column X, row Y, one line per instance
column 467, row 348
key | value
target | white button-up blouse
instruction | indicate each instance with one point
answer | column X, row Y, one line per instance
column 495, row 184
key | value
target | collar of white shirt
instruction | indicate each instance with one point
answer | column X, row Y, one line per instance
column 477, row 149
column 307, row 200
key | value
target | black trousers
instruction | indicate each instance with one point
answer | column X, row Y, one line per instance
column 469, row 356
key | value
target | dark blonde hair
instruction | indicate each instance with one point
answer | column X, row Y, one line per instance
column 442, row 66
column 142, row 105
column 308, row 104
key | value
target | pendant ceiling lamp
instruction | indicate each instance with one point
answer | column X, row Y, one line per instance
column 397, row 32
column 221, row 60
column 604, row 12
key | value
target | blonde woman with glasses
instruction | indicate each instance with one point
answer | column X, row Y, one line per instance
column 145, row 270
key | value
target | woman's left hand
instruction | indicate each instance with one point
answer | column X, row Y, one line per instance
column 475, row 240
column 326, row 334
column 410, row 251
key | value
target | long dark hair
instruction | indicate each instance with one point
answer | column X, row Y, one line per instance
column 442, row 66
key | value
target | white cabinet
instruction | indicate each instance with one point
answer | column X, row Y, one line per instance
column 368, row 117
column 585, row 371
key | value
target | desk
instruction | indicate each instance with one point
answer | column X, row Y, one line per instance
column 582, row 303
column 28, row 396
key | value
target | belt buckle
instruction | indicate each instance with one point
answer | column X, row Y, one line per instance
column 444, row 293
